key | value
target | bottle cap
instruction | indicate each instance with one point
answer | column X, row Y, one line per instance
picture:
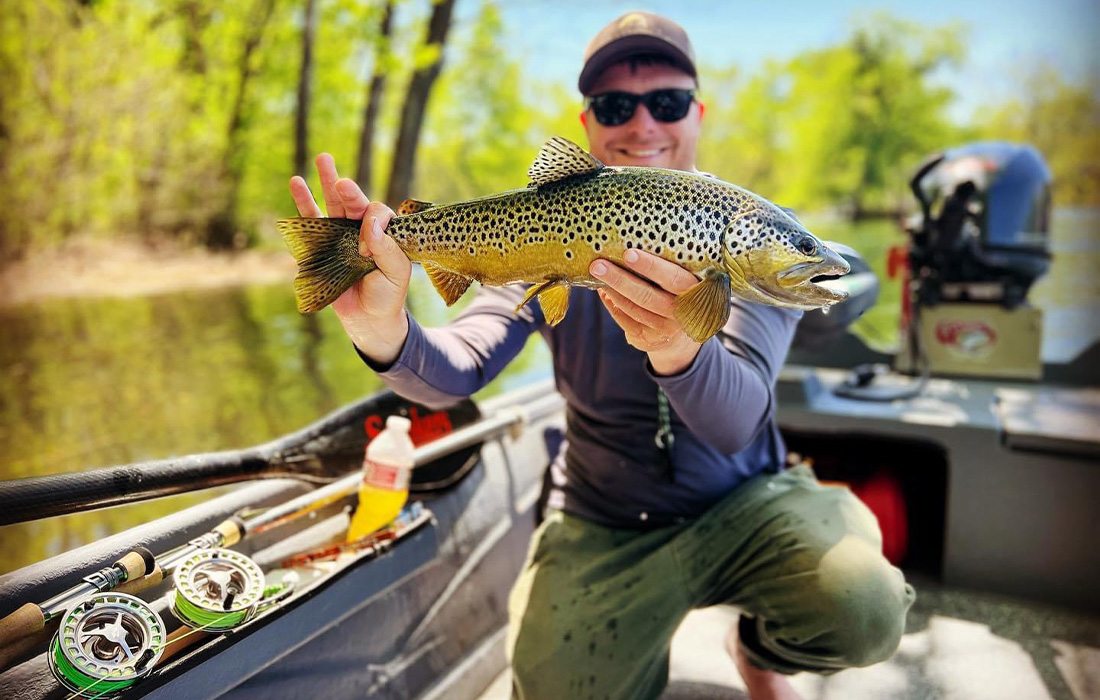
column 398, row 423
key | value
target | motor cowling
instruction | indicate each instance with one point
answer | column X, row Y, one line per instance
column 983, row 232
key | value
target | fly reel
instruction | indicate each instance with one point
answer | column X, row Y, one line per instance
column 105, row 644
column 217, row 589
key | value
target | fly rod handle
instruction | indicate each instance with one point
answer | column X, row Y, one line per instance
column 137, row 585
column 17, row 630
column 231, row 531
column 136, row 564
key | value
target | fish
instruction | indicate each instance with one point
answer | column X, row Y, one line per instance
column 574, row 210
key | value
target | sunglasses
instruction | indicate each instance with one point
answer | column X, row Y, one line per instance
column 615, row 108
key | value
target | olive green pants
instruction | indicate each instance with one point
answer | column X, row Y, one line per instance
column 595, row 608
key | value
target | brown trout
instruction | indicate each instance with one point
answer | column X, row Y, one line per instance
column 575, row 210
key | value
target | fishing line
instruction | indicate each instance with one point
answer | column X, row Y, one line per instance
column 110, row 641
column 113, row 687
column 217, row 589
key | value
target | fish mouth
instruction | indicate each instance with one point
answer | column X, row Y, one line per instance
column 806, row 285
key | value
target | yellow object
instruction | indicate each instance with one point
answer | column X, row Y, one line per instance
column 378, row 507
column 387, row 469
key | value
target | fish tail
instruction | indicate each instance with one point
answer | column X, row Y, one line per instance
column 327, row 253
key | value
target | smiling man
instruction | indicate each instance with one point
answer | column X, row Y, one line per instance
column 670, row 492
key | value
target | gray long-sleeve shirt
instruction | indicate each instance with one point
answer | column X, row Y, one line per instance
column 610, row 469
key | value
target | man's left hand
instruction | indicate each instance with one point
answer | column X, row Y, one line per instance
column 640, row 298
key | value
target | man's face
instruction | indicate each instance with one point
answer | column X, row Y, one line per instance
column 642, row 140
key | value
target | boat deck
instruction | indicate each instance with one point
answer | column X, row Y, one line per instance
column 959, row 645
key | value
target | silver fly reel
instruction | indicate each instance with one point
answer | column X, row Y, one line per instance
column 105, row 644
column 217, row 589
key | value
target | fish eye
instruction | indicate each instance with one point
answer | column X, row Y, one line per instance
column 806, row 245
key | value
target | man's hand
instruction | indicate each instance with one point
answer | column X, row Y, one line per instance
column 372, row 311
column 640, row 298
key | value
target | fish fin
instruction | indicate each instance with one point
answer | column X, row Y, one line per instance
column 327, row 253
column 450, row 285
column 704, row 309
column 553, row 298
column 554, row 301
column 561, row 159
column 412, row 206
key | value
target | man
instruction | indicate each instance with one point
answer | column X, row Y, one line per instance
column 670, row 492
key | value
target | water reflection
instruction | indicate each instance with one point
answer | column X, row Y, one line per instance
column 99, row 382
column 89, row 383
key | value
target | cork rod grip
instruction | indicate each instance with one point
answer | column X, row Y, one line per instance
column 231, row 531
column 17, row 630
column 133, row 564
column 137, row 585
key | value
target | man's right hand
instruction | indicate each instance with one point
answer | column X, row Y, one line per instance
column 372, row 311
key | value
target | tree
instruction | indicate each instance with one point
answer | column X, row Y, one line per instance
column 376, row 88
column 429, row 64
column 305, row 80
column 841, row 126
column 222, row 232
column 1062, row 120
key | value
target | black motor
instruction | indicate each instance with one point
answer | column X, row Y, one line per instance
column 983, row 232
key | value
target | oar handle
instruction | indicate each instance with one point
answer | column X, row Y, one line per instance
column 37, row 497
column 19, row 631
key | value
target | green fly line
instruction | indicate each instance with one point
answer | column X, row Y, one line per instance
column 194, row 615
column 105, row 687
column 90, row 678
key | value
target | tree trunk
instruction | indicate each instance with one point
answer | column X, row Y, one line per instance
column 416, row 102
column 305, row 78
column 377, row 87
column 222, row 231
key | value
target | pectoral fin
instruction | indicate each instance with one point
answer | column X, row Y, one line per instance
column 704, row 309
column 450, row 285
column 553, row 298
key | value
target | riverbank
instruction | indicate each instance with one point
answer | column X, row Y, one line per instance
column 121, row 268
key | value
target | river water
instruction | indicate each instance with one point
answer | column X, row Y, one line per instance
column 97, row 382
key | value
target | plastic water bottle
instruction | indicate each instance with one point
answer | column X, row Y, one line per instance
column 387, row 469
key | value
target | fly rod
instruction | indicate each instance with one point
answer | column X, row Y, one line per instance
column 139, row 570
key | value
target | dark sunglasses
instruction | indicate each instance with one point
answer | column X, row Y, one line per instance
column 615, row 108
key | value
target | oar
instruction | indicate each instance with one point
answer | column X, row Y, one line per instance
column 22, row 629
column 319, row 453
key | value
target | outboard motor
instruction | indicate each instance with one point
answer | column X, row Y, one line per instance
column 979, row 243
column 983, row 233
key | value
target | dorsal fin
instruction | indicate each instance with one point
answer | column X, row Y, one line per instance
column 560, row 159
column 412, row 206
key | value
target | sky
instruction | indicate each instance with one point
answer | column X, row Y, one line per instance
column 1004, row 36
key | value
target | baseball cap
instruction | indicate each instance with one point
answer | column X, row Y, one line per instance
column 633, row 34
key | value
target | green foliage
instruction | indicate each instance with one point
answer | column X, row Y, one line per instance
column 117, row 116
column 1063, row 122
column 838, row 127
column 482, row 132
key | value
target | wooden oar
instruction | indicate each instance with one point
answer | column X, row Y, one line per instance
column 319, row 453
